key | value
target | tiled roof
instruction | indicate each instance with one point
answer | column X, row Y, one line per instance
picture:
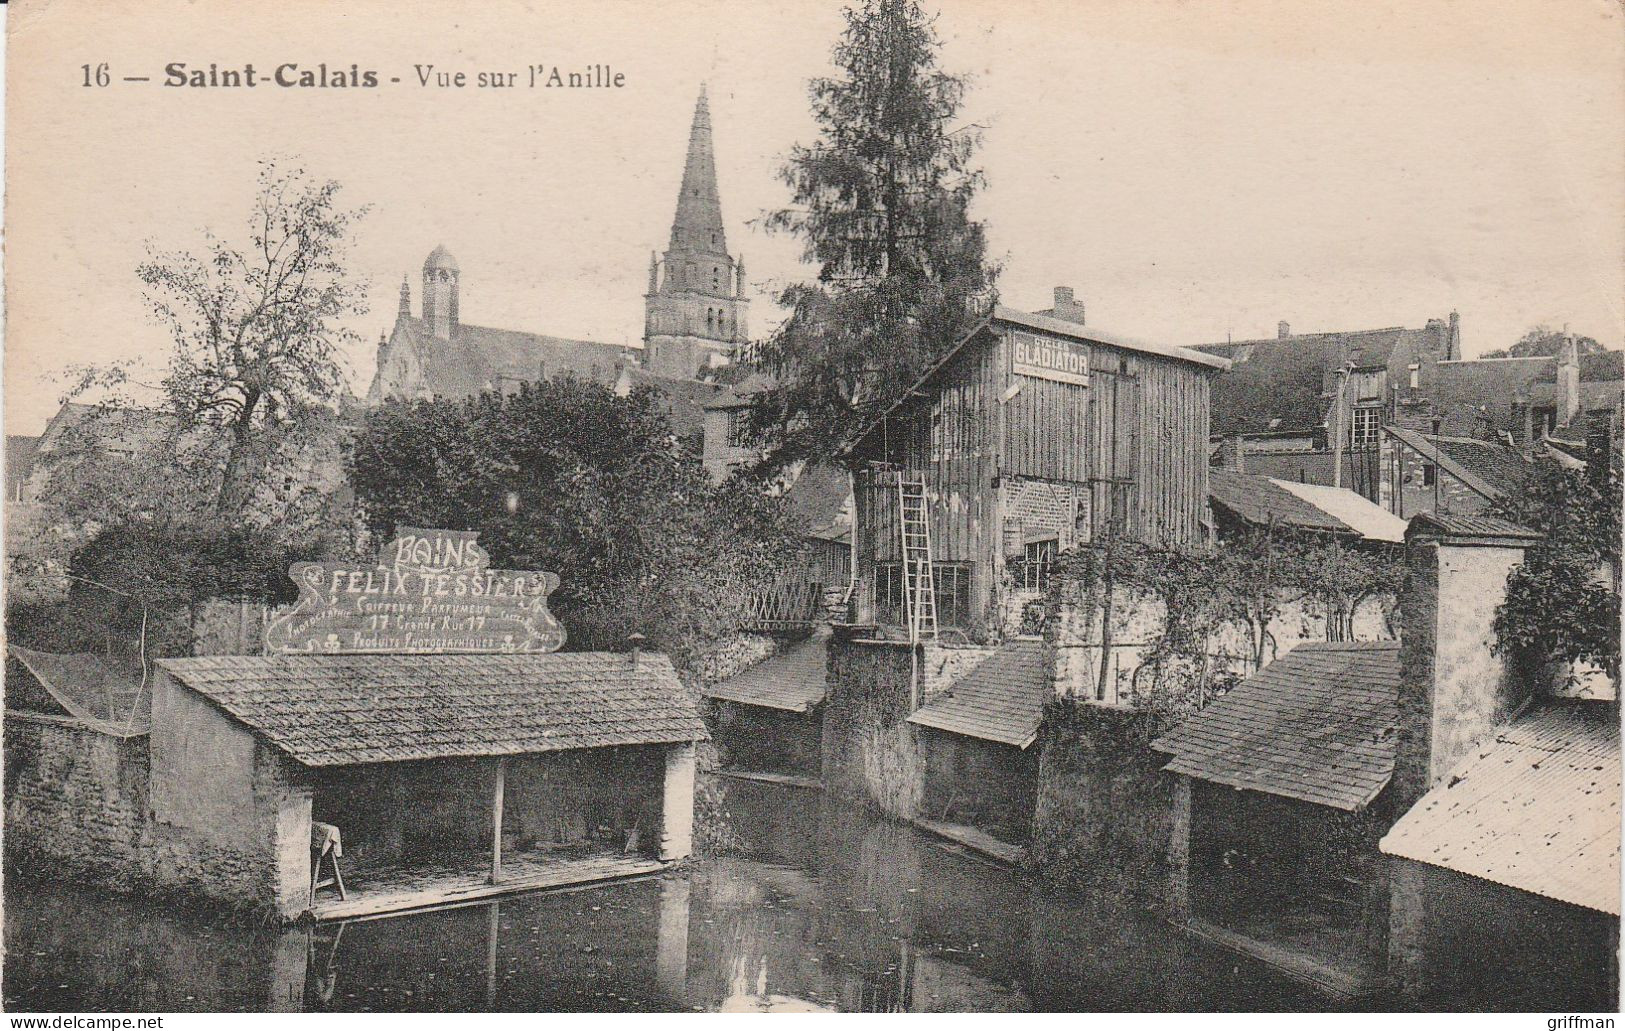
column 1599, row 367
column 1470, row 526
column 90, row 689
column 334, row 710
column 476, row 358
column 1536, row 808
column 1262, row 501
column 793, row 680
column 1001, row 699
column 115, row 430
column 1490, row 468
column 1316, row 725
column 1284, row 382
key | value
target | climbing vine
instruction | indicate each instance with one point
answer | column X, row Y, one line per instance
column 1562, row 604
column 1218, row 604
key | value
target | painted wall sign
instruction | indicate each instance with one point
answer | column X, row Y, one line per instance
column 431, row 592
column 1065, row 361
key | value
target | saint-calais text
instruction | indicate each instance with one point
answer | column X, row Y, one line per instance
column 291, row 74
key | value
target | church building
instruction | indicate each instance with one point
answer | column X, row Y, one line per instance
column 695, row 307
column 438, row 355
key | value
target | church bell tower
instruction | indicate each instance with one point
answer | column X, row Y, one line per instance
column 694, row 312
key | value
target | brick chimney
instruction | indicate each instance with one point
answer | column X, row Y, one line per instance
column 1568, row 381
column 1453, row 690
column 1283, row 329
column 1452, row 347
column 1066, row 306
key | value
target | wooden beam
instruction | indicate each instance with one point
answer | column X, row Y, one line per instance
column 497, row 788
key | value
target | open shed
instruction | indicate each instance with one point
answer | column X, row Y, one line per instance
column 448, row 776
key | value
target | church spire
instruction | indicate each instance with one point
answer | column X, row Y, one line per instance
column 698, row 225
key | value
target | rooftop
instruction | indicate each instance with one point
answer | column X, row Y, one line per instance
column 478, row 358
column 1001, row 699
column 336, row 710
column 1536, row 808
column 792, row 680
column 1452, row 525
column 1264, row 501
column 1316, row 725
column 1489, row 468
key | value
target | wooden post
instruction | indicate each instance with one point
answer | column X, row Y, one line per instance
column 496, row 819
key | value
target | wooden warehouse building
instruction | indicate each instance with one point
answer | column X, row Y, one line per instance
column 1030, row 435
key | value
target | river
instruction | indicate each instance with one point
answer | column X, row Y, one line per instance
column 824, row 910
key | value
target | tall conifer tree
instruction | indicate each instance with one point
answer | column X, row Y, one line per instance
column 882, row 202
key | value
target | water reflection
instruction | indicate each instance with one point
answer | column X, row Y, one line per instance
column 829, row 911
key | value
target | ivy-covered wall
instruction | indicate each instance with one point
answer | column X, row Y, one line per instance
column 870, row 750
column 1105, row 813
column 1172, row 628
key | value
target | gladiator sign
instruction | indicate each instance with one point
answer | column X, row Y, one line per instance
column 1049, row 358
column 430, row 593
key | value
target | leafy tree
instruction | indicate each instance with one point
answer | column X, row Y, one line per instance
column 882, row 205
column 257, row 332
column 1544, row 342
column 566, row 476
column 1563, row 602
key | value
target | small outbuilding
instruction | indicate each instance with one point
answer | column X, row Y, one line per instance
column 978, row 737
column 1279, row 806
column 1525, row 834
column 447, row 776
column 769, row 717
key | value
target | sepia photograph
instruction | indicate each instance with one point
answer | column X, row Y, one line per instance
column 833, row 506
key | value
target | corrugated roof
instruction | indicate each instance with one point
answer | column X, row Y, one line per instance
column 793, row 680
column 90, row 689
column 1316, row 724
column 1463, row 525
column 1536, row 809
column 1366, row 518
column 334, row 710
column 1001, row 699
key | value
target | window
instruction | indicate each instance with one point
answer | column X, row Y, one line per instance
column 952, row 593
column 888, row 594
column 1429, row 474
column 952, row 581
column 1416, row 376
column 1037, row 559
column 1367, row 424
column 738, row 428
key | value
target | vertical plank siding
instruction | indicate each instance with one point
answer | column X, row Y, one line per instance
column 1138, row 432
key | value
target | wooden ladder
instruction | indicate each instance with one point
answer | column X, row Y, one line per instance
column 919, row 581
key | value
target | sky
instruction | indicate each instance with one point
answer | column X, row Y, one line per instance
column 1195, row 171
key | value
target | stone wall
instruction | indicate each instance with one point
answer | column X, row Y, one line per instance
column 870, row 751
column 1138, row 621
column 1105, row 815
column 76, row 802
column 78, row 808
